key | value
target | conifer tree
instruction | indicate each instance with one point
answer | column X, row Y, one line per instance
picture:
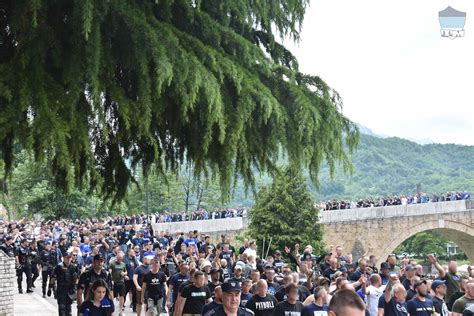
column 285, row 213
column 96, row 88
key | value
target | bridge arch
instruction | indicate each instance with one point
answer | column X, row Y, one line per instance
column 460, row 233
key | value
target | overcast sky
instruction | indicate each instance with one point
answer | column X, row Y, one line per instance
column 394, row 71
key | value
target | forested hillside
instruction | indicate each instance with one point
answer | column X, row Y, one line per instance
column 385, row 166
column 382, row 166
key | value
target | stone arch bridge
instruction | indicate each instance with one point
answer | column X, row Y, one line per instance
column 375, row 231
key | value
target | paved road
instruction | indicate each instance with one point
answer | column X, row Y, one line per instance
column 33, row 304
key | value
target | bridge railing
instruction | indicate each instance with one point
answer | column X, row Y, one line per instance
column 206, row 226
column 395, row 211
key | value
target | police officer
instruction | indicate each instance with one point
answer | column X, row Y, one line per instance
column 23, row 262
column 65, row 275
column 94, row 273
column 48, row 261
column 34, row 259
column 8, row 247
column 230, row 302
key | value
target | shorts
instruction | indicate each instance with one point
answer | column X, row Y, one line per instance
column 139, row 297
column 152, row 308
column 119, row 289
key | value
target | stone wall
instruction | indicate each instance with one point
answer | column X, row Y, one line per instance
column 7, row 284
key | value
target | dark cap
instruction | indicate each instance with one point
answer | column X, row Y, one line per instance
column 98, row 257
column 8, row 238
column 418, row 283
column 436, row 284
column 384, row 265
column 215, row 270
column 409, row 267
column 230, row 286
column 68, row 254
column 278, row 252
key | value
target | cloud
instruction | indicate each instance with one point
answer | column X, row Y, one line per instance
column 395, row 72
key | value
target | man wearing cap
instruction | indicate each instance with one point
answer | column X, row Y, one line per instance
column 8, row 246
column 278, row 262
column 65, row 276
column 92, row 274
column 237, row 277
column 230, row 302
column 420, row 305
column 24, row 266
column 385, row 272
column 439, row 289
column 48, row 263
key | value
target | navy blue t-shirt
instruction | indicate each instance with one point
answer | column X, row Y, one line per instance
column 393, row 308
column 418, row 308
column 314, row 310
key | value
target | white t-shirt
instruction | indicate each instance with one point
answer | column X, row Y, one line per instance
column 373, row 299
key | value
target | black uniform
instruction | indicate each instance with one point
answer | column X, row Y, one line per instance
column 24, row 266
column 89, row 276
column 48, row 260
column 65, row 277
column 34, row 259
column 9, row 250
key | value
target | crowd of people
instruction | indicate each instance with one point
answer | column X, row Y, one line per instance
column 107, row 268
column 393, row 200
column 202, row 214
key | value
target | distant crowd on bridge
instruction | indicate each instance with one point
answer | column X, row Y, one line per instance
column 393, row 200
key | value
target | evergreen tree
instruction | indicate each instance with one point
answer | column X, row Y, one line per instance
column 285, row 212
column 97, row 88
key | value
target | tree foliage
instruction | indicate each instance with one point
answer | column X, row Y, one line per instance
column 97, row 88
column 30, row 190
column 284, row 212
column 425, row 243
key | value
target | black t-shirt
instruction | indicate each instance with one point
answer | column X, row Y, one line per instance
column 440, row 306
column 154, row 284
column 262, row 306
column 420, row 308
column 141, row 271
column 286, row 309
column 196, row 298
column 393, row 308
column 106, row 308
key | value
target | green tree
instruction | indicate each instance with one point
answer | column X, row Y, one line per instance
column 425, row 243
column 285, row 212
column 97, row 87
